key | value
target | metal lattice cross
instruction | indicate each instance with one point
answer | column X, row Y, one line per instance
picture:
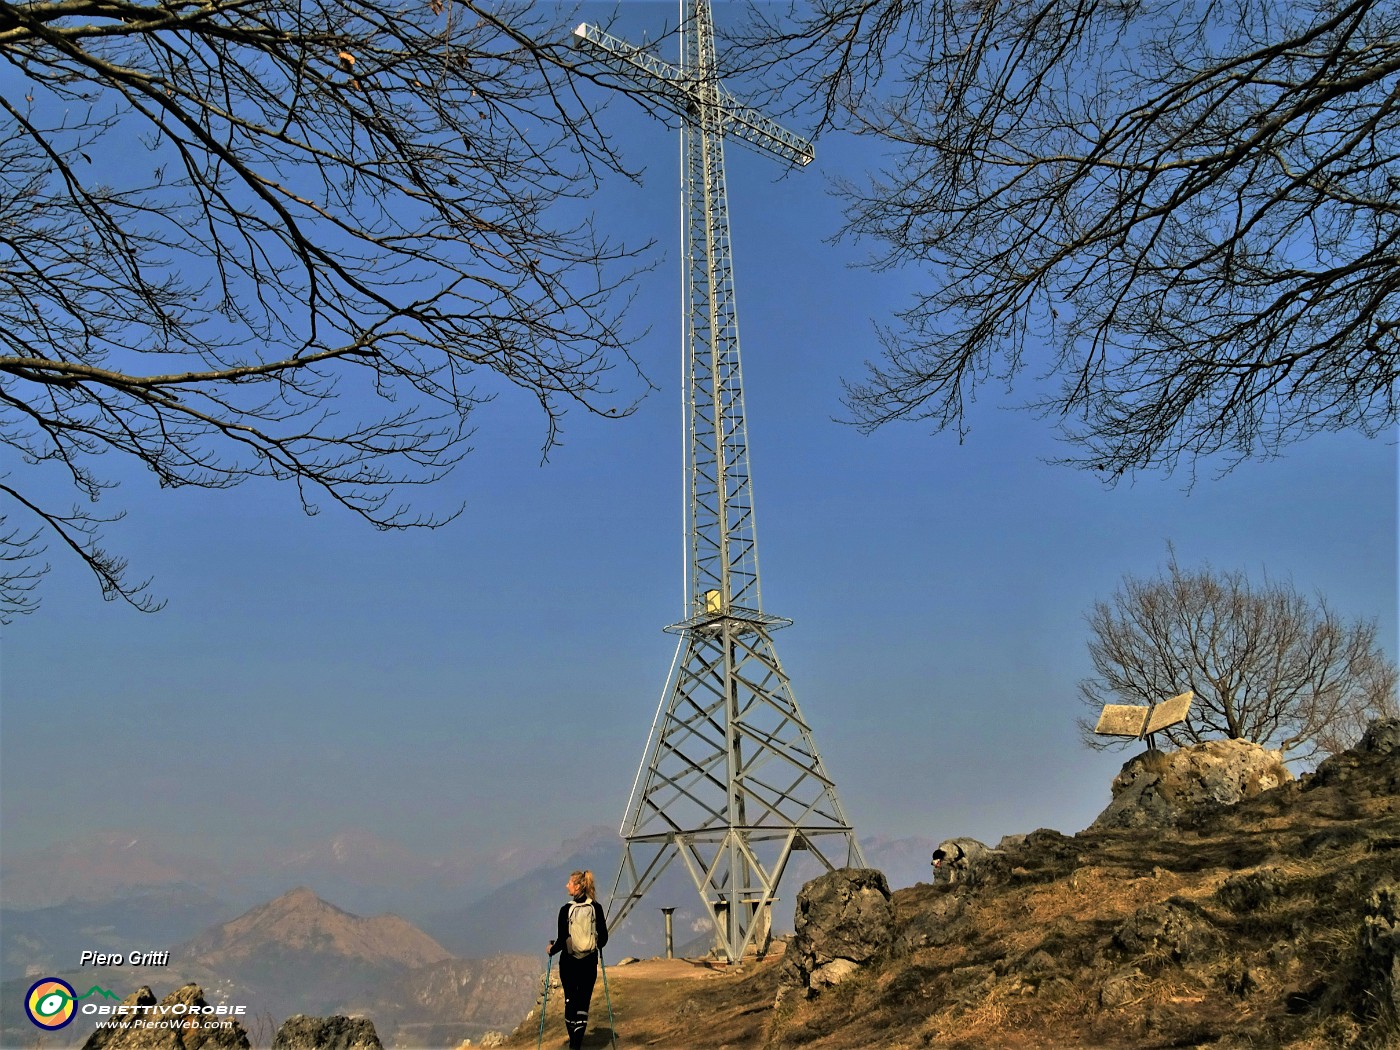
column 732, row 782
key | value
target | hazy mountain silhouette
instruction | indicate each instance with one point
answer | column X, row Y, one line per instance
column 104, row 866
column 49, row 940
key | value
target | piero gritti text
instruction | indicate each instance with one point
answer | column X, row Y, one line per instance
column 130, row 959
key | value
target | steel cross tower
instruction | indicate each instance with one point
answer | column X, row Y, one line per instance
column 732, row 782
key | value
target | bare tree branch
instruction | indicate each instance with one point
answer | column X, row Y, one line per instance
column 1266, row 663
column 256, row 238
column 1179, row 219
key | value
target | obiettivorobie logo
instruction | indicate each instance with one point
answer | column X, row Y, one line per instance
column 52, row 1003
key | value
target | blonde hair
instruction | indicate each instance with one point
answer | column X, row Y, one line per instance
column 584, row 880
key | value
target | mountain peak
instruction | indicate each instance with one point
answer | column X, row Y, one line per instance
column 300, row 896
column 299, row 920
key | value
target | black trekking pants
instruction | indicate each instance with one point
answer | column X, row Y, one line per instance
column 578, row 977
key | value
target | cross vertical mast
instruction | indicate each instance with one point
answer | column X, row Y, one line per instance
column 733, row 783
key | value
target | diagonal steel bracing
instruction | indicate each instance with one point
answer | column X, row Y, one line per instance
column 732, row 782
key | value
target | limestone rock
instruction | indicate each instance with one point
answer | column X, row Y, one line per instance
column 177, row 1022
column 961, row 860
column 1380, row 957
column 1158, row 788
column 844, row 920
column 1252, row 891
column 1121, row 988
column 1040, row 856
column 327, row 1033
column 1165, row 928
column 833, row 972
column 937, row 925
column 1372, row 767
column 138, row 1004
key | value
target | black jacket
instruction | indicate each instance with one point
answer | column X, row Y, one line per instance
column 600, row 923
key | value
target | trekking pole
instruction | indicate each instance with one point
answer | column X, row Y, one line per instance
column 544, row 1003
column 612, row 1025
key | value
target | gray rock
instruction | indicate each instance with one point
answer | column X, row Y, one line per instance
column 1036, row 963
column 1159, row 788
column 1121, row 988
column 1382, row 737
column 938, row 925
column 1251, row 891
column 844, row 920
column 327, row 1033
column 962, row 860
column 1166, row 928
column 1380, row 957
column 1370, row 768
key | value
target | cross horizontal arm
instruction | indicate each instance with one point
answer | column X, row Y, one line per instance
column 669, row 86
column 656, row 77
column 750, row 126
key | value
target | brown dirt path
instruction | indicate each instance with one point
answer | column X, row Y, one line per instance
column 680, row 1003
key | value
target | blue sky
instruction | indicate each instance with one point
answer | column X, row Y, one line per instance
column 491, row 683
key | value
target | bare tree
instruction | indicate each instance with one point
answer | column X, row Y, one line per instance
column 1178, row 223
column 1266, row 663
column 291, row 239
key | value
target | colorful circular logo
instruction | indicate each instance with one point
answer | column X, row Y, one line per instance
column 49, row 1003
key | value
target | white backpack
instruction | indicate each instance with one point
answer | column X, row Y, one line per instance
column 583, row 930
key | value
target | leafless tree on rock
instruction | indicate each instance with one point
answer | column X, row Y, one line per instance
column 1266, row 663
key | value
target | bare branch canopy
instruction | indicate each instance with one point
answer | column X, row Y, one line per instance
column 264, row 238
column 1177, row 224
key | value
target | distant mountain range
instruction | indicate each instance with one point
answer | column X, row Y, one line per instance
column 355, row 868
column 115, row 888
column 102, row 867
column 296, row 953
column 300, row 954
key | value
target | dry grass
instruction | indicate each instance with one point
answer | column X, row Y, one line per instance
column 1035, row 964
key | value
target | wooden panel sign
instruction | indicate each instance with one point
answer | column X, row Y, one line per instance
column 1122, row 720
column 1169, row 712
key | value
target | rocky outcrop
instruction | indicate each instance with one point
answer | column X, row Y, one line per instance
column 327, row 1033
column 1273, row 921
column 443, row 1004
column 1379, row 959
column 1159, row 788
column 1372, row 767
column 961, row 860
column 844, row 920
column 938, row 924
column 1166, row 929
column 180, row 1021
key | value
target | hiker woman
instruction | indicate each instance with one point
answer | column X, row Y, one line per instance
column 582, row 931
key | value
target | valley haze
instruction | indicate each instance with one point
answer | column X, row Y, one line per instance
column 470, row 969
column 440, row 724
